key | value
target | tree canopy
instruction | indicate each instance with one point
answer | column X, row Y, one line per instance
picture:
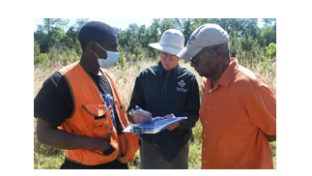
column 247, row 40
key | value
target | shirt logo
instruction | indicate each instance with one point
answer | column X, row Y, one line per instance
column 181, row 83
column 181, row 89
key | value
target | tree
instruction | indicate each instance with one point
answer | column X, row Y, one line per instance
column 235, row 45
column 246, row 38
column 36, row 48
column 187, row 29
column 251, row 26
column 166, row 23
column 49, row 23
column 80, row 22
column 143, row 35
column 52, row 31
column 154, row 30
column 63, row 24
column 225, row 24
column 40, row 37
column 267, row 35
column 154, row 36
column 246, row 44
column 215, row 20
column 268, row 21
column 71, row 36
column 200, row 21
column 56, row 35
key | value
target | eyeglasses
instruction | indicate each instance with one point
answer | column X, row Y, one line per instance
column 171, row 57
column 196, row 60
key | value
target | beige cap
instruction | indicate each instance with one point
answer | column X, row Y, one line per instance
column 205, row 35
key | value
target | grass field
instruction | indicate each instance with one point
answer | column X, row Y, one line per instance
column 46, row 157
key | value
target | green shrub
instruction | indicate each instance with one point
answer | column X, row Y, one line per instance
column 271, row 49
column 141, row 56
column 265, row 64
column 122, row 61
column 64, row 60
column 41, row 59
column 73, row 56
column 133, row 57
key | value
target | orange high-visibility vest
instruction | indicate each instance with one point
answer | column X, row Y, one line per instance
column 88, row 104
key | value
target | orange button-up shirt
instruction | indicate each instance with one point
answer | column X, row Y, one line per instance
column 236, row 116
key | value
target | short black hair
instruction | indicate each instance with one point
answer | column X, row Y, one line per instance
column 94, row 31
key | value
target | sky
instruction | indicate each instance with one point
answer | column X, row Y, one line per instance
column 122, row 23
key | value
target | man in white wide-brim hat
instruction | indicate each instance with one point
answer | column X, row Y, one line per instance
column 171, row 43
column 166, row 90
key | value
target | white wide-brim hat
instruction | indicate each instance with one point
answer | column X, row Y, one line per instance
column 171, row 41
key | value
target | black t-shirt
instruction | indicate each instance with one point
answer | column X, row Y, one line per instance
column 54, row 103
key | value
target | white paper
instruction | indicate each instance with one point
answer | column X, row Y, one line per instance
column 156, row 125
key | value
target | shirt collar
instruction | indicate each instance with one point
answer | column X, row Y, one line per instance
column 161, row 70
column 227, row 75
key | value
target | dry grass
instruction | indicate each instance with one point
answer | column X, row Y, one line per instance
column 268, row 75
column 124, row 78
column 41, row 73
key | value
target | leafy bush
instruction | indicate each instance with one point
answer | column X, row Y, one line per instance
column 265, row 64
column 41, row 59
column 141, row 56
column 73, row 56
column 133, row 57
column 64, row 60
column 36, row 48
column 271, row 50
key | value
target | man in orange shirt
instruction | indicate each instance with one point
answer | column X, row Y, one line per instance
column 238, row 111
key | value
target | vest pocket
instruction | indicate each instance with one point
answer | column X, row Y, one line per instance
column 96, row 110
column 106, row 157
column 100, row 128
column 114, row 144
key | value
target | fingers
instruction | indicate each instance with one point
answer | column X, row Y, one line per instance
column 142, row 120
column 146, row 112
column 137, row 119
column 169, row 116
column 147, row 119
column 171, row 127
column 141, row 117
column 142, row 113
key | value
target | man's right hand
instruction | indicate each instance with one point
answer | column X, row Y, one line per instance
column 101, row 144
column 140, row 116
column 49, row 134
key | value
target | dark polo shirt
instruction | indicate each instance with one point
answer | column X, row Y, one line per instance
column 161, row 93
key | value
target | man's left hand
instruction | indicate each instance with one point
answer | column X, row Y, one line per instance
column 173, row 126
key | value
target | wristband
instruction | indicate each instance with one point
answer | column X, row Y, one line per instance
column 110, row 149
column 134, row 109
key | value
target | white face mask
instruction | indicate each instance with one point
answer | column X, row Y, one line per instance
column 111, row 59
